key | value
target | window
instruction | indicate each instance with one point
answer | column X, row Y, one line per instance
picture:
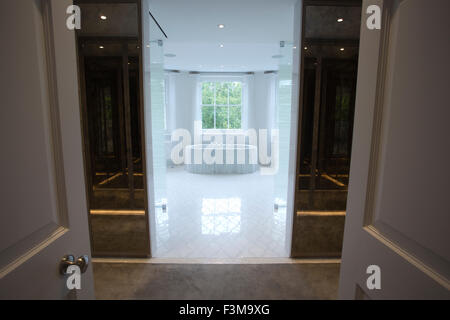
column 221, row 105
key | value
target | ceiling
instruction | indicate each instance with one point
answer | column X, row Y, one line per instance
column 321, row 22
column 122, row 20
column 328, row 38
column 251, row 36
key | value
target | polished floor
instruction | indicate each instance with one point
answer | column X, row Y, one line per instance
column 216, row 281
column 219, row 216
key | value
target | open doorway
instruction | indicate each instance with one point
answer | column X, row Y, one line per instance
column 163, row 86
column 218, row 83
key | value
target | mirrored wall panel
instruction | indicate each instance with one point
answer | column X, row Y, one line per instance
column 109, row 65
column 330, row 63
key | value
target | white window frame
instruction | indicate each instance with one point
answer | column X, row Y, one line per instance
column 244, row 101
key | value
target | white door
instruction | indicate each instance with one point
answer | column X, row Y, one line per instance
column 43, row 202
column 398, row 213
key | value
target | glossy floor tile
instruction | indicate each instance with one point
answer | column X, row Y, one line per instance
column 219, row 216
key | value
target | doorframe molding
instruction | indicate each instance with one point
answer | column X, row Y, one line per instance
column 391, row 238
column 52, row 231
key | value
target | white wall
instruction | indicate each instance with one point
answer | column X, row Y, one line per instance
column 262, row 109
column 181, row 104
column 183, row 108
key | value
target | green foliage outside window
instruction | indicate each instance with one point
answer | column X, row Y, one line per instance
column 222, row 105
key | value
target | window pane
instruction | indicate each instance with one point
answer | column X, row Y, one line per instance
column 208, row 117
column 221, row 117
column 222, row 93
column 236, row 93
column 235, row 118
column 207, row 93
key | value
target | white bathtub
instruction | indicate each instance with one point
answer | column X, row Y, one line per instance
column 229, row 158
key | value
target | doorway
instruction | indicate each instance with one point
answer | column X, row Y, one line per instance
column 151, row 78
column 216, row 91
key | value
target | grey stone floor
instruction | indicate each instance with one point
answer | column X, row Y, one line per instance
column 216, row 281
column 124, row 234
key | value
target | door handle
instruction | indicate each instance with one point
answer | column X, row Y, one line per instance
column 69, row 260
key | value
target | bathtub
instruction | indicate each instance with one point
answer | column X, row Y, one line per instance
column 236, row 159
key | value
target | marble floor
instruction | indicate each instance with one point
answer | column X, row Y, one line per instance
column 219, row 216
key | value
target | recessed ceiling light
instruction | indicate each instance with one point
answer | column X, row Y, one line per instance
column 101, row 47
column 294, row 48
column 306, row 48
column 342, row 49
column 340, row 20
column 221, row 46
column 103, row 17
column 221, row 26
column 148, row 46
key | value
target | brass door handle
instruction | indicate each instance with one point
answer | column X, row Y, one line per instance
column 69, row 260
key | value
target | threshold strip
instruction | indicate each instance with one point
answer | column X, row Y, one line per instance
column 217, row 261
column 321, row 213
column 118, row 212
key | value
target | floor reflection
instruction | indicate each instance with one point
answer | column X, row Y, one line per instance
column 219, row 216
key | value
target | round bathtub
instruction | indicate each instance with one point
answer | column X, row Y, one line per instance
column 221, row 158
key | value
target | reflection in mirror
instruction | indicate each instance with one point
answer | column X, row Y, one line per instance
column 109, row 68
column 330, row 57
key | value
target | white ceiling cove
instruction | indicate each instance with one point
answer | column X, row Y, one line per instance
column 252, row 33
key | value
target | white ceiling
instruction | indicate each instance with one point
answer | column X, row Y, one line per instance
column 252, row 33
